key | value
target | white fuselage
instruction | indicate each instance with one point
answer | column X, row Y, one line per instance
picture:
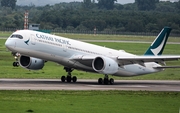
column 62, row 50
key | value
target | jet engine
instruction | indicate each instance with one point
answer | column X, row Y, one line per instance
column 31, row 63
column 105, row 65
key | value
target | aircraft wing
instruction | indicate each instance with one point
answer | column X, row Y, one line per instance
column 142, row 59
column 88, row 59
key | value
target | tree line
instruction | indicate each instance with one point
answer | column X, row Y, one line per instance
column 105, row 15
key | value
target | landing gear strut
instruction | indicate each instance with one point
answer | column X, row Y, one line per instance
column 69, row 77
column 106, row 80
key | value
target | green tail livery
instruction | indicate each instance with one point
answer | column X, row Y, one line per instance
column 159, row 43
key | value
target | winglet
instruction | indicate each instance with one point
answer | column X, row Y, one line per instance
column 159, row 43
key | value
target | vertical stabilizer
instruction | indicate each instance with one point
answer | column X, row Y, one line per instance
column 159, row 43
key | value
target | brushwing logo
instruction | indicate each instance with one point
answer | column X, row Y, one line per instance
column 27, row 42
column 157, row 50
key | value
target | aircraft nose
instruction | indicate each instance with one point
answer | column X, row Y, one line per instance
column 9, row 44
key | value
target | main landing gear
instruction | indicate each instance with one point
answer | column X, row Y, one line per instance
column 68, row 78
column 106, row 80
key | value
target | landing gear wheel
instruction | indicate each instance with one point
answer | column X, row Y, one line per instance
column 111, row 81
column 100, row 80
column 15, row 64
column 63, row 78
column 106, row 81
column 68, row 79
column 74, row 79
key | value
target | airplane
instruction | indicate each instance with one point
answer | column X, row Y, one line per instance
column 35, row 48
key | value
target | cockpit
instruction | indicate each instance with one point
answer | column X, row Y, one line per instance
column 16, row 36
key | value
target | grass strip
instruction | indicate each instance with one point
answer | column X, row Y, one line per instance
column 89, row 101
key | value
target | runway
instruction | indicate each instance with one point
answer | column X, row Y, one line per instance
column 84, row 84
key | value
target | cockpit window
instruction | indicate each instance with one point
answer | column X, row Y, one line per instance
column 16, row 36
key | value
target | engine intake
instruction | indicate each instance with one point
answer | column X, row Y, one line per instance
column 105, row 65
column 31, row 63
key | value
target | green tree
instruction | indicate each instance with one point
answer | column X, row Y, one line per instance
column 146, row 4
column 8, row 3
column 106, row 4
column 87, row 4
column 178, row 4
column 166, row 7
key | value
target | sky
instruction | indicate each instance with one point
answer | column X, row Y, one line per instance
column 51, row 2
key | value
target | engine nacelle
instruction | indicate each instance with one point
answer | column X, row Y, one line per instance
column 31, row 63
column 105, row 65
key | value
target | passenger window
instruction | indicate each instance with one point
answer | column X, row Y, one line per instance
column 16, row 36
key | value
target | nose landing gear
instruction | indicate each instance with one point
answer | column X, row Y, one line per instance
column 15, row 64
column 16, row 56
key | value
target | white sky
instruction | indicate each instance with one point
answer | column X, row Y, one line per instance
column 51, row 2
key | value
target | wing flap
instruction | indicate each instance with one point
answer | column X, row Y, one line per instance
column 163, row 67
column 82, row 57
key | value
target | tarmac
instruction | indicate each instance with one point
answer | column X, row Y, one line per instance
column 88, row 84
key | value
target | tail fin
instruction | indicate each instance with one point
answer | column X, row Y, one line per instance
column 159, row 43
